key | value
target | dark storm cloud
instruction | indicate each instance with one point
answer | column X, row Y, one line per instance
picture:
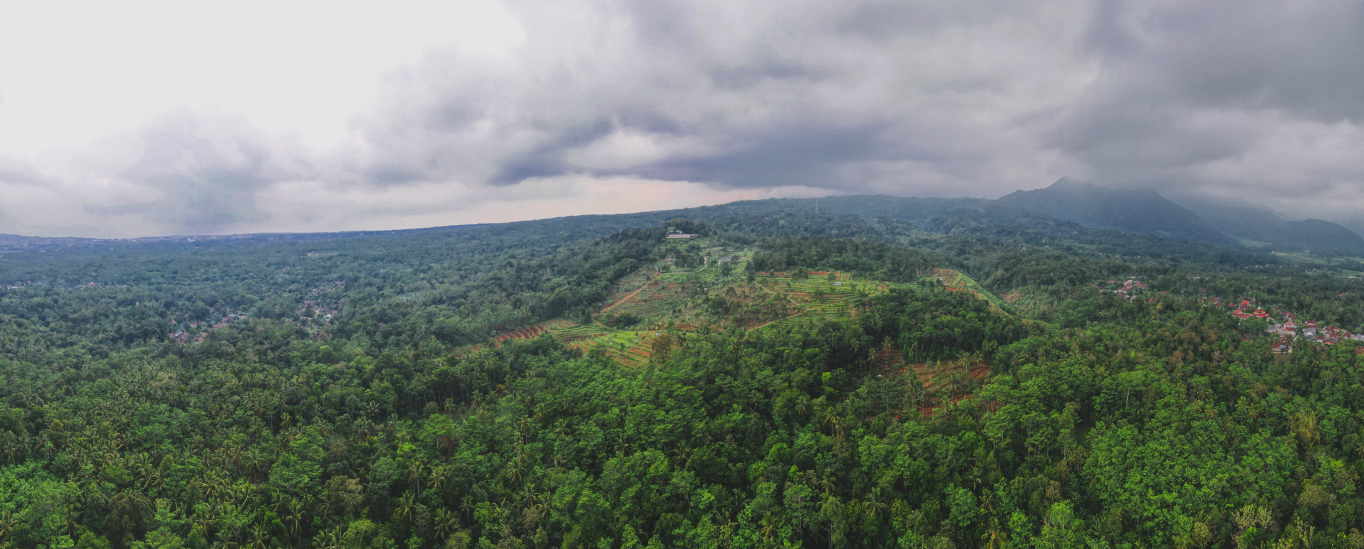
column 808, row 93
column 1302, row 57
column 1147, row 139
column 799, row 155
column 547, row 158
column 976, row 97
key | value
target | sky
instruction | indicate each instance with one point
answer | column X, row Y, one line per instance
column 144, row 118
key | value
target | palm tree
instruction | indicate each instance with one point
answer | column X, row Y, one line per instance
column 7, row 523
column 876, row 504
column 255, row 462
column 769, row 528
column 467, row 505
column 258, row 537
column 437, row 479
column 331, row 539
column 446, row 523
column 994, row 538
column 414, row 473
column 295, row 515
column 406, row 505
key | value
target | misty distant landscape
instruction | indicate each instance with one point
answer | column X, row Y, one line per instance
column 613, row 274
column 843, row 371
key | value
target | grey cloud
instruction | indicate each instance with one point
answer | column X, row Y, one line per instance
column 547, row 158
column 667, row 24
column 1302, row 57
column 17, row 172
column 1234, row 98
column 802, row 155
column 207, row 173
column 752, row 75
column 882, row 20
column 733, row 94
column 649, row 120
column 1136, row 140
column 947, row 98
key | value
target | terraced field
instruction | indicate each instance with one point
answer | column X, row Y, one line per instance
column 684, row 300
column 654, row 301
column 578, row 332
column 629, row 348
column 533, row 331
column 564, row 329
column 957, row 282
column 628, row 285
column 816, row 296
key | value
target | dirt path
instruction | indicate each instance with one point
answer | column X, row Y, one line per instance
column 632, row 294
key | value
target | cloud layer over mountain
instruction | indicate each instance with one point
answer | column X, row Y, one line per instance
column 625, row 105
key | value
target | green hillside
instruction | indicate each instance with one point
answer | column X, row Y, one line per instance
column 923, row 373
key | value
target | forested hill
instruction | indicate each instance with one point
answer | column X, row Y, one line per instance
column 874, row 373
column 1137, row 211
column 1263, row 227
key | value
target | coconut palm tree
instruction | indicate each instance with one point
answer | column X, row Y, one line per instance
column 407, row 504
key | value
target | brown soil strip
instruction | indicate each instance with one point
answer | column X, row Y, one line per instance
column 632, row 294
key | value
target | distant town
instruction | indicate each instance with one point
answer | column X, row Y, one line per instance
column 1291, row 330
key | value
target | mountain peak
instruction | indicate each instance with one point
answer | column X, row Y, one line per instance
column 1134, row 211
column 1066, row 183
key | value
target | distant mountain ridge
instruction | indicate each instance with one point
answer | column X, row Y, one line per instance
column 1134, row 211
column 1199, row 220
column 1264, row 227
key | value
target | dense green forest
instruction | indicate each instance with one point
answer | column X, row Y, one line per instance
column 938, row 378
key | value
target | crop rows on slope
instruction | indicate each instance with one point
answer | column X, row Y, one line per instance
column 532, row 331
column 570, row 332
column 815, row 296
column 653, row 301
column 661, row 300
column 628, row 348
column 958, row 282
column 627, row 286
column 561, row 328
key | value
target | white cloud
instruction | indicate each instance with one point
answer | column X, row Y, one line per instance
column 74, row 72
